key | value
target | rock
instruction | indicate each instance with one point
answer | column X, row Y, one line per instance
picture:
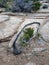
column 8, row 26
column 45, row 32
column 40, row 41
column 2, row 10
column 29, row 54
column 14, row 14
column 16, row 51
column 37, row 50
column 45, row 6
column 3, row 18
column 30, row 63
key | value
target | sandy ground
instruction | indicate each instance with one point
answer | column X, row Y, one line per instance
column 7, row 58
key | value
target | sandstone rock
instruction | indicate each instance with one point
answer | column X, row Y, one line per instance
column 2, row 9
column 36, row 50
column 45, row 32
column 13, row 14
column 8, row 26
column 4, row 18
column 30, row 63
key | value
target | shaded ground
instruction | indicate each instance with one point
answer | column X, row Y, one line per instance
column 7, row 58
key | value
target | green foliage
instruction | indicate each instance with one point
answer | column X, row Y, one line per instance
column 8, row 4
column 31, row 0
column 9, row 0
column 36, row 6
column 28, row 33
column 26, row 0
column 26, row 37
column 23, row 44
column 35, row 0
column 3, row 2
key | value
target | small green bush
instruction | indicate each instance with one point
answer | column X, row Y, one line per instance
column 35, row 0
column 31, row 0
column 26, row 37
column 28, row 33
column 36, row 6
column 26, row 1
column 23, row 44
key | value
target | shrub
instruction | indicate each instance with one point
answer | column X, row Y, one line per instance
column 23, row 44
column 26, row 37
column 26, row 1
column 3, row 3
column 36, row 6
column 25, row 5
column 20, row 5
column 28, row 33
column 7, row 4
column 35, row 0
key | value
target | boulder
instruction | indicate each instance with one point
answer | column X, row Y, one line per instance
column 8, row 25
column 3, row 18
column 2, row 10
column 37, row 50
column 45, row 32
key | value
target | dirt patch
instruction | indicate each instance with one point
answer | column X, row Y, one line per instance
column 7, row 58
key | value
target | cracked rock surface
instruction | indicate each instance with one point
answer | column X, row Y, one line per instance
column 8, row 25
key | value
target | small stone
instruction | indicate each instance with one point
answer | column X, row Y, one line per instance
column 30, row 63
column 29, row 54
column 37, row 50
